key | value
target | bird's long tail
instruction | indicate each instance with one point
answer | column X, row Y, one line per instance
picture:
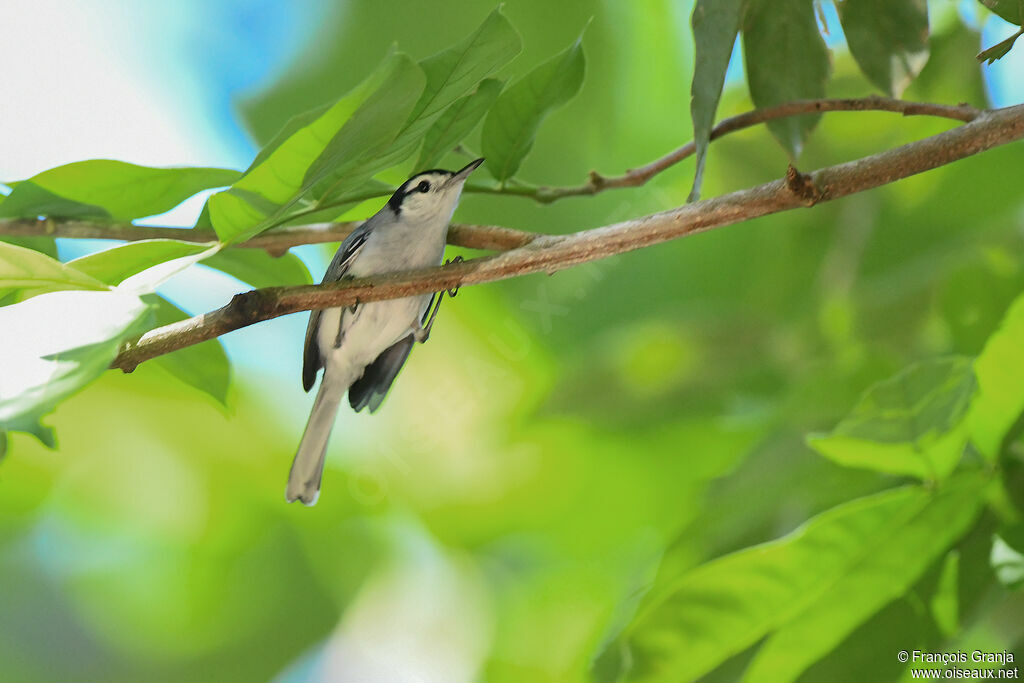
column 308, row 466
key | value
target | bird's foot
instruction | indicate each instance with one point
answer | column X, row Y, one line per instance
column 422, row 333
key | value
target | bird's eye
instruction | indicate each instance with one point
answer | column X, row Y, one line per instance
column 424, row 186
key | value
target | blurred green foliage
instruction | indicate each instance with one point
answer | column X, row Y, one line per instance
column 602, row 474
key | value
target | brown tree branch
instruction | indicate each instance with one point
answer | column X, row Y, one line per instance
column 279, row 240
column 276, row 242
column 548, row 253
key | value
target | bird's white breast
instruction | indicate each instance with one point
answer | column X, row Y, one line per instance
column 372, row 327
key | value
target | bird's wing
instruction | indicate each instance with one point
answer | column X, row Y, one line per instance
column 340, row 264
column 370, row 389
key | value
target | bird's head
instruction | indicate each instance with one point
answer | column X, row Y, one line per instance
column 431, row 195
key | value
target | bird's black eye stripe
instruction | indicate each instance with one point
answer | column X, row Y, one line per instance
column 424, row 186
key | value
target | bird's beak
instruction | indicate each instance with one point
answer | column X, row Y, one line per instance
column 464, row 172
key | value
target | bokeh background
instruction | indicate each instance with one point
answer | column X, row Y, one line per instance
column 560, row 439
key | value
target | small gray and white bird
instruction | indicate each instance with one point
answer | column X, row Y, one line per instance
column 361, row 348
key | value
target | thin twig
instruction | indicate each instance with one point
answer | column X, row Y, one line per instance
column 638, row 176
column 552, row 253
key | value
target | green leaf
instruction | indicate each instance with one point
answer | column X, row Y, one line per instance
column 331, row 210
column 786, row 59
column 1007, row 556
column 511, row 124
column 204, row 366
column 259, row 269
column 457, row 122
column 22, row 268
column 362, row 146
column 1000, row 372
column 945, row 603
column 1000, row 49
column 888, row 39
column 291, row 126
column 64, row 341
column 806, row 591
column 45, row 245
column 32, row 201
column 914, row 423
column 110, row 189
column 339, row 149
column 887, row 567
column 454, row 73
column 44, row 434
column 327, row 156
column 715, row 25
column 1010, row 10
column 116, row 264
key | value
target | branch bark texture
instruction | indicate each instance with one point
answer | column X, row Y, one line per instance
column 550, row 253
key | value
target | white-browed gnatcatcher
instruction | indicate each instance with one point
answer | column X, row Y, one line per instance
column 361, row 348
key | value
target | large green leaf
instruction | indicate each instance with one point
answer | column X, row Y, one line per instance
column 259, row 269
column 885, row 567
column 326, row 157
column 450, row 75
column 28, row 269
column 64, row 340
column 786, row 59
column 204, row 366
column 291, row 126
column 115, row 264
column 343, row 142
column 888, row 38
column 1000, row 372
column 457, row 122
column 455, row 73
column 715, row 25
column 511, row 124
column 806, row 591
column 366, row 143
column 913, row 423
column 110, row 189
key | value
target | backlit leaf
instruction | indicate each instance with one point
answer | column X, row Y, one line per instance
column 64, row 341
column 22, row 268
column 337, row 149
column 103, row 188
column 115, row 264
